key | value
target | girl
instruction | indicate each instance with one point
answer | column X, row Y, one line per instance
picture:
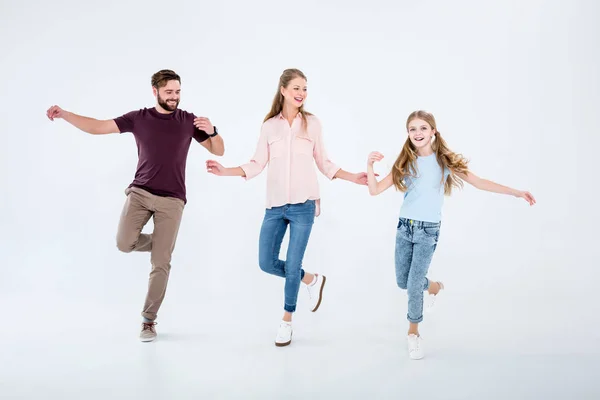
column 425, row 171
column 290, row 142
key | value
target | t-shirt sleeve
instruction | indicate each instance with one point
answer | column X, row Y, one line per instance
column 199, row 136
column 126, row 122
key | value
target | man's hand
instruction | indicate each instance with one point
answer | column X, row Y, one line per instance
column 204, row 124
column 55, row 112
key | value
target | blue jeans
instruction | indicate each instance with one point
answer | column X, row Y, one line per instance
column 415, row 244
column 300, row 218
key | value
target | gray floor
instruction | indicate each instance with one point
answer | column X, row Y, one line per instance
column 74, row 345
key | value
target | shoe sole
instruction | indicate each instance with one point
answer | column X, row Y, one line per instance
column 146, row 340
column 284, row 344
column 320, row 294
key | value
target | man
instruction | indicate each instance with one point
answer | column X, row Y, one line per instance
column 163, row 135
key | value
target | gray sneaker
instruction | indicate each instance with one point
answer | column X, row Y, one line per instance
column 148, row 333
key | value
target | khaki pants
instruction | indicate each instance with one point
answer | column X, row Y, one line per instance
column 166, row 211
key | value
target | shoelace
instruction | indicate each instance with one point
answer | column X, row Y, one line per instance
column 283, row 330
column 310, row 293
column 148, row 326
column 433, row 297
column 310, row 288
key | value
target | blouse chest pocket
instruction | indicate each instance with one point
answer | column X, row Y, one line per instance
column 276, row 147
column 303, row 145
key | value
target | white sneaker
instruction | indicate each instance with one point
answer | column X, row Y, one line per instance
column 284, row 334
column 432, row 297
column 315, row 292
column 415, row 347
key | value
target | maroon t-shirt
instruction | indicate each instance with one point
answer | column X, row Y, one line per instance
column 163, row 141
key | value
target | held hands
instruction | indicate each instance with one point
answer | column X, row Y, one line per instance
column 204, row 124
column 360, row 178
column 55, row 112
column 373, row 157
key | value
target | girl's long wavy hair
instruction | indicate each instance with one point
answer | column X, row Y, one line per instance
column 406, row 163
column 284, row 81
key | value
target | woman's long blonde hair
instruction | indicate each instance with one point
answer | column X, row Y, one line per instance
column 406, row 166
column 284, row 81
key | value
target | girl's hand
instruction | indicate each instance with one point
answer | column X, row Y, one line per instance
column 374, row 157
column 214, row 167
column 527, row 196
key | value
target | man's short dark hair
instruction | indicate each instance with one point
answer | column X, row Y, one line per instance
column 163, row 76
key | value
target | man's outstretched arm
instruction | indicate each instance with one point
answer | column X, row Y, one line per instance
column 89, row 125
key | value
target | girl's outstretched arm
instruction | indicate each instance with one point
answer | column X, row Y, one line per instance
column 489, row 186
column 375, row 187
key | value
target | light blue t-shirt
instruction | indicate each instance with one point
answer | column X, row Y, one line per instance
column 425, row 195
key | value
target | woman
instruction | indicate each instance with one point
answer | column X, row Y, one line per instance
column 291, row 143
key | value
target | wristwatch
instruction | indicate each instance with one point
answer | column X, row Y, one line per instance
column 215, row 133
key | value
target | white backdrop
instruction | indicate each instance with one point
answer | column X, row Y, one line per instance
column 514, row 87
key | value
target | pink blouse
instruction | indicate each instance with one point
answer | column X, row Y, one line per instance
column 290, row 151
